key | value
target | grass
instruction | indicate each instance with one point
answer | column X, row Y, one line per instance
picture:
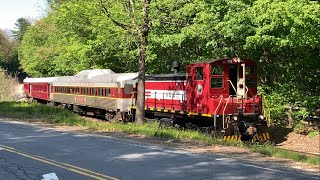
column 59, row 116
column 313, row 133
column 273, row 151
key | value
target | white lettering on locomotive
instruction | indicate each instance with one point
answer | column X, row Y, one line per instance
column 167, row 94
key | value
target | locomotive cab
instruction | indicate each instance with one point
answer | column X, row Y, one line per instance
column 213, row 82
column 226, row 89
column 238, row 75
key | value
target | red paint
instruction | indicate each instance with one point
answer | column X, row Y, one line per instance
column 201, row 97
column 26, row 89
column 40, row 91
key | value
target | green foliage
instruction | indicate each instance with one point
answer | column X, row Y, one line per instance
column 21, row 26
column 314, row 133
column 8, row 54
column 283, row 36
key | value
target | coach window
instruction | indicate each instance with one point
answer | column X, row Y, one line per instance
column 107, row 91
column 199, row 73
column 128, row 88
column 93, row 91
column 100, row 92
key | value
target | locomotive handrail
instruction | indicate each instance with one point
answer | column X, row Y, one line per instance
column 215, row 112
column 235, row 90
column 224, row 109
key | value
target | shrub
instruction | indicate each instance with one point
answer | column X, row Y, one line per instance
column 8, row 87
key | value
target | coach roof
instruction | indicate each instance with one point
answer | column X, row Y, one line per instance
column 39, row 80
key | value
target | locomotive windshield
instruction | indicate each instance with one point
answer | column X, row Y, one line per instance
column 250, row 74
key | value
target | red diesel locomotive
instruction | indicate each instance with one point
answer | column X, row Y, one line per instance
column 220, row 93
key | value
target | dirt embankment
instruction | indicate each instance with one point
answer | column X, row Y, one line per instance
column 302, row 143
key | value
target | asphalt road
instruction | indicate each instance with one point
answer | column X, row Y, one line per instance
column 28, row 152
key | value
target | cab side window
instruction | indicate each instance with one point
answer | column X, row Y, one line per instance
column 216, row 83
column 216, row 70
column 199, row 73
column 216, row 76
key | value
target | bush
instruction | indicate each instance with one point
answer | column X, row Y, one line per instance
column 288, row 107
column 8, row 87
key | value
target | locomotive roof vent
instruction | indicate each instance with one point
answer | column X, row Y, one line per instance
column 175, row 67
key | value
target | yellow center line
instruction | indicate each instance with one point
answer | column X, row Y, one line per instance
column 69, row 167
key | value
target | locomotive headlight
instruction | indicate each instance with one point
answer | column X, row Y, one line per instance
column 235, row 118
column 261, row 117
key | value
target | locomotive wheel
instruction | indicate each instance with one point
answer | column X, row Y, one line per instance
column 165, row 123
column 109, row 116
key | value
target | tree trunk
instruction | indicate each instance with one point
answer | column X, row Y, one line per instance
column 140, row 114
column 141, row 86
column 289, row 113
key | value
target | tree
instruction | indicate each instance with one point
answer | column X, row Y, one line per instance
column 21, row 26
column 138, row 26
column 283, row 36
column 8, row 54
